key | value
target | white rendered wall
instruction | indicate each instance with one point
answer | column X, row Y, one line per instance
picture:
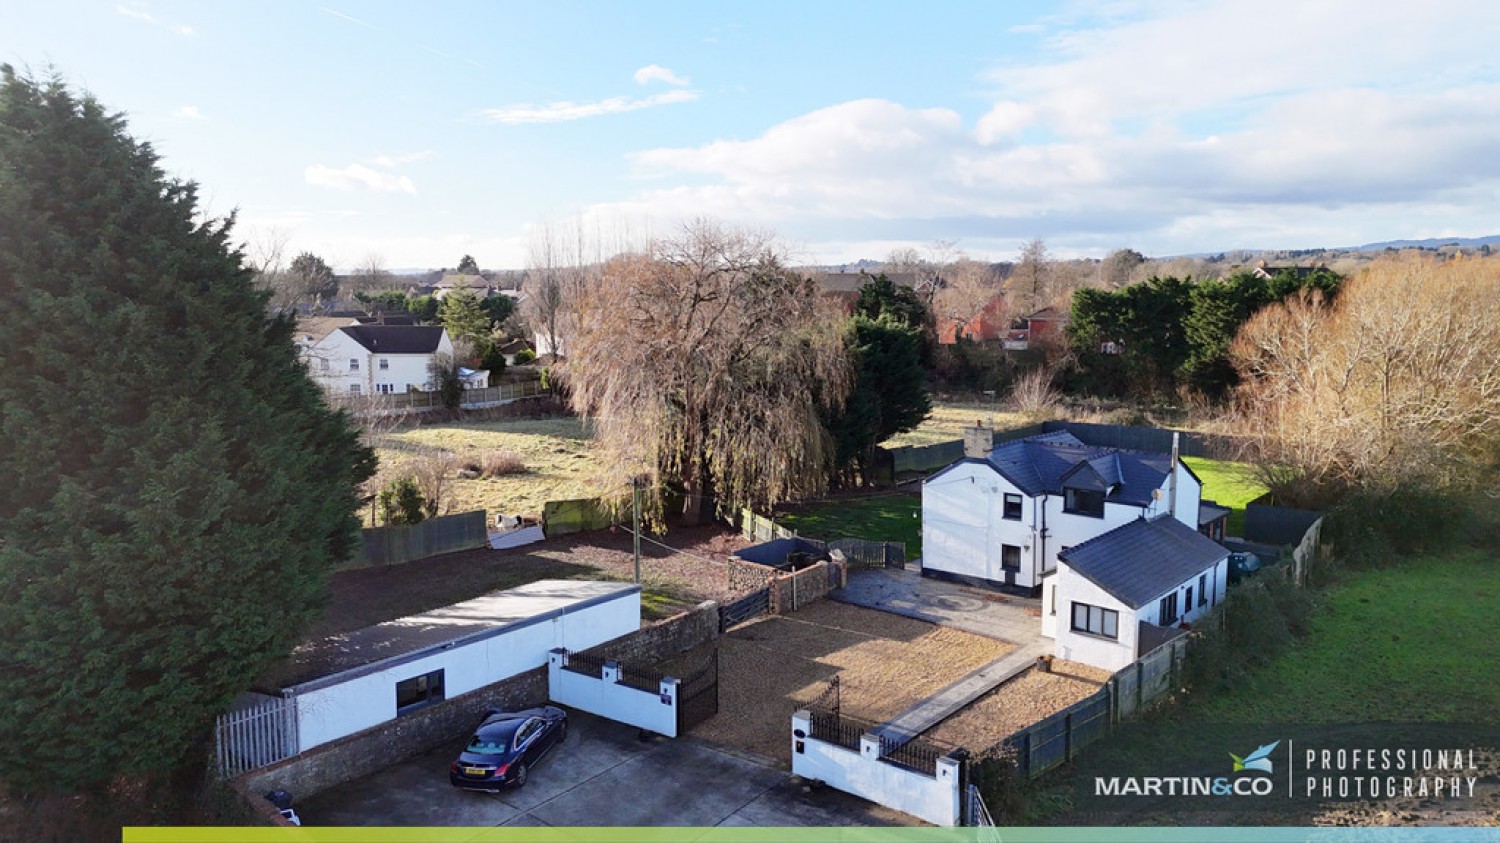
column 1094, row 650
column 963, row 524
column 329, row 713
column 655, row 712
column 932, row 798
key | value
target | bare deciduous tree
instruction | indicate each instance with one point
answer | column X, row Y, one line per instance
column 1030, row 285
column 969, row 287
column 1394, row 383
column 370, row 274
column 704, row 363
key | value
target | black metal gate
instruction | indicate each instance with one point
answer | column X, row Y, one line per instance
column 745, row 608
column 698, row 695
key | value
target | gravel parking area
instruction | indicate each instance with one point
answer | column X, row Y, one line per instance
column 771, row 667
column 1017, row 704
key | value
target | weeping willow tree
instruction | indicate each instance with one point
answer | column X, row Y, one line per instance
column 703, row 364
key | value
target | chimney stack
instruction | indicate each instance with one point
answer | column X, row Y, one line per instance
column 978, row 440
column 1172, row 500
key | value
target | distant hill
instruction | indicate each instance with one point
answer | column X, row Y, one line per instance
column 1430, row 243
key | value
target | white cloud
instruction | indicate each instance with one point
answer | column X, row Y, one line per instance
column 183, row 30
column 190, row 112
column 559, row 112
column 656, row 73
column 1158, row 127
column 391, row 161
column 358, row 177
column 135, row 10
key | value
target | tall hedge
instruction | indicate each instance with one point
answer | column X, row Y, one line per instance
column 175, row 491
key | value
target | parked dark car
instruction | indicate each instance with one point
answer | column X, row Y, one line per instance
column 506, row 745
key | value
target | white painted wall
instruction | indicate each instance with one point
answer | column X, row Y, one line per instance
column 655, row 712
column 1091, row 649
column 332, row 712
column 963, row 524
column 932, row 798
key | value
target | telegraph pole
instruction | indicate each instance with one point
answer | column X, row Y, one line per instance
column 635, row 494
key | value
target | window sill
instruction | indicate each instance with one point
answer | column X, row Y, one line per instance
column 1113, row 639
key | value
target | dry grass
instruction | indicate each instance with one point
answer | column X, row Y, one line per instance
column 950, row 417
column 501, row 463
column 555, row 453
column 770, row 668
column 1017, row 704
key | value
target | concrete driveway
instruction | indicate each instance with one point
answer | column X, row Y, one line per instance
column 977, row 610
column 602, row 776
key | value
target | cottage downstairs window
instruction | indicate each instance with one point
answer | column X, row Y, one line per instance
column 1096, row 620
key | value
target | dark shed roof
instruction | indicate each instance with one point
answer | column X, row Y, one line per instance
column 1139, row 561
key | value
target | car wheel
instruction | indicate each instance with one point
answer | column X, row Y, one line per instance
column 520, row 775
column 562, row 732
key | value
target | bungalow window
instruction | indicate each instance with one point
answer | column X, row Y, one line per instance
column 1088, row 502
column 385, row 364
column 1167, row 610
column 1203, row 589
column 1096, row 620
column 419, row 692
column 1010, row 557
column 1187, row 600
column 354, row 364
column 1012, row 507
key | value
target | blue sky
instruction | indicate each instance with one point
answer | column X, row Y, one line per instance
column 419, row 132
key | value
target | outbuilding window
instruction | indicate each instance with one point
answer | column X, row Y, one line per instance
column 1096, row 620
column 419, row 692
column 1167, row 610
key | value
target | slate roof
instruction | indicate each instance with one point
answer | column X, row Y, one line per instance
column 1137, row 562
column 396, row 339
column 1040, row 464
column 1209, row 512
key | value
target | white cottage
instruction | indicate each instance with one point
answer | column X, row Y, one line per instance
column 1002, row 515
column 376, row 359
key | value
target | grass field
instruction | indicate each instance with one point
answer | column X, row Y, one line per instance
column 1410, row 643
column 559, row 464
column 891, row 518
column 949, row 418
column 1231, row 484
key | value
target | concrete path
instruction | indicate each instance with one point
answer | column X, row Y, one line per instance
column 977, row 610
column 945, row 703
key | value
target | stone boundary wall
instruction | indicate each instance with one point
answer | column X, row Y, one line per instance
column 661, row 641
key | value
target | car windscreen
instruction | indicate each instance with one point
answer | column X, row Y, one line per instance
column 492, row 742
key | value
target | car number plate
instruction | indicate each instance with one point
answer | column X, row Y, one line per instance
column 476, row 771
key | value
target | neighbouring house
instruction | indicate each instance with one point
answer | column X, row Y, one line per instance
column 455, row 281
column 514, row 347
column 1266, row 271
column 473, row 378
column 1212, row 519
column 362, row 679
column 1126, row 592
column 988, row 324
column 1002, row 514
column 1109, row 537
column 844, row 287
column 1043, row 327
column 375, row 359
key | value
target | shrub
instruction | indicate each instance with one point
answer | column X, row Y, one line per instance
column 401, row 502
column 1258, row 620
column 499, row 463
column 525, row 356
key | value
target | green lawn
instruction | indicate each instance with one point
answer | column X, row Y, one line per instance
column 892, row 518
column 1232, row 484
column 1414, row 643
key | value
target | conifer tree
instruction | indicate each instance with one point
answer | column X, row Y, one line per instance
column 175, row 491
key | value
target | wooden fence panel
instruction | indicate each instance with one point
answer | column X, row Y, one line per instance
column 396, row 544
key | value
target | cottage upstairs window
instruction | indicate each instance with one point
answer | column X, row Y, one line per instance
column 1088, row 502
column 1012, row 508
column 384, row 364
column 354, row 364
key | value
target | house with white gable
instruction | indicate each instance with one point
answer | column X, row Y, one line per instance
column 376, row 359
column 1053, row 516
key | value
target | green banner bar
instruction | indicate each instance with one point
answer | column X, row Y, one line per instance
column 812, row 835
